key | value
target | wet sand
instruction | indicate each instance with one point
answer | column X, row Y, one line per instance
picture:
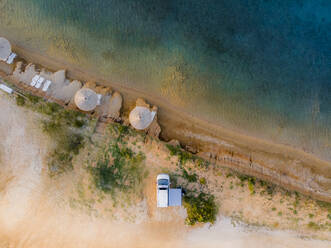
column 284, row 165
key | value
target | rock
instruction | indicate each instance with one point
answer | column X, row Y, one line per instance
column 174, row 143
column 142, row 102
column 114, row 106
column 191, row 149
column 154, row 129
column 126, row 121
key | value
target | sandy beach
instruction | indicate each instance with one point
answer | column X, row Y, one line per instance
column 44, row 213
column 284, row 165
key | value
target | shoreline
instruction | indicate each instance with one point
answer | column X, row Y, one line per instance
column 281, row 164
column 252, row 208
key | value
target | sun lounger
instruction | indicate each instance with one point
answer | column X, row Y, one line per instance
column 39, row 82
column 11, row 58
column 46, row 85
column 34, row 80
column 99, row 99
column 5, row 88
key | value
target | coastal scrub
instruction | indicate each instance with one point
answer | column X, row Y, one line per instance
column 200, row 209
column 67, row 128
column 117, row 168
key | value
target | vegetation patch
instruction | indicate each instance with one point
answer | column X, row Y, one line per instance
column 20, row 101
column 117, row 168
column 65, row 127
column 200, row 209
column 314, row 226
column 190, row 177
column 184, row 156
column 324, row 205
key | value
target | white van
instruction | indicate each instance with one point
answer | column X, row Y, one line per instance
column 163, row 184
column 166, row 196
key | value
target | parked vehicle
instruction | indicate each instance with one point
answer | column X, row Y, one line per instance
column 163, row 184
column 166, row 196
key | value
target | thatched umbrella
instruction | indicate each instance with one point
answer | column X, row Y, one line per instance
column 86, row 99
column 5, row 49
column 141, row 117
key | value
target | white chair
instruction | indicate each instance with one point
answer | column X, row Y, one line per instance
column 46, row 85
column 11, row 58
column 34, row 80
column 99, row 99
column 39, row 82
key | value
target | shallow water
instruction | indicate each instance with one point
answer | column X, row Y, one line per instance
column 260, row 67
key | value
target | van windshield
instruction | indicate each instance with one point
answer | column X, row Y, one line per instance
column 162, row 182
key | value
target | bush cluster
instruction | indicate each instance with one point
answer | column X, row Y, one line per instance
column 200, row 209
column 64, row 127
column 184, row 156
column 117, row 169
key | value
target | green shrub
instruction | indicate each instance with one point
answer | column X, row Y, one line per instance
column 192, row 178
column 60, row 162
column 251, row 184
column 262, row 183
column 200, row 209
column 63, row 126
column 325, row 205
column 33, row 99
column 229, row 175
column 313, row 226
column 52, row 128
column 243, row 178
column 201, row 163
column 270, row 189
column 183, row 156
column 117, row 169
column 123, row 130
column 20, row 101
column 49, row 108
column 72, row 143
column 202, row 181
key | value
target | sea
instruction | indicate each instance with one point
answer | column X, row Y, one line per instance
column 257, row 67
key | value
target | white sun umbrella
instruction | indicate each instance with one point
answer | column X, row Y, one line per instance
column 86, row 99
column 5, row 49
column 141, row 117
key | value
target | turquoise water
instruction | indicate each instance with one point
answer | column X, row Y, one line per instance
column 261, row 67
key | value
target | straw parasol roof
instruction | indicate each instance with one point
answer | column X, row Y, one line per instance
column 86, row 99
column 5, row 49
column 141, row 117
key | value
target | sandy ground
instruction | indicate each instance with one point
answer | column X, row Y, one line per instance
column 300, row 171
column 34, row 212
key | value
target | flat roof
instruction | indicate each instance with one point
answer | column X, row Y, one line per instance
column 175, row 197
